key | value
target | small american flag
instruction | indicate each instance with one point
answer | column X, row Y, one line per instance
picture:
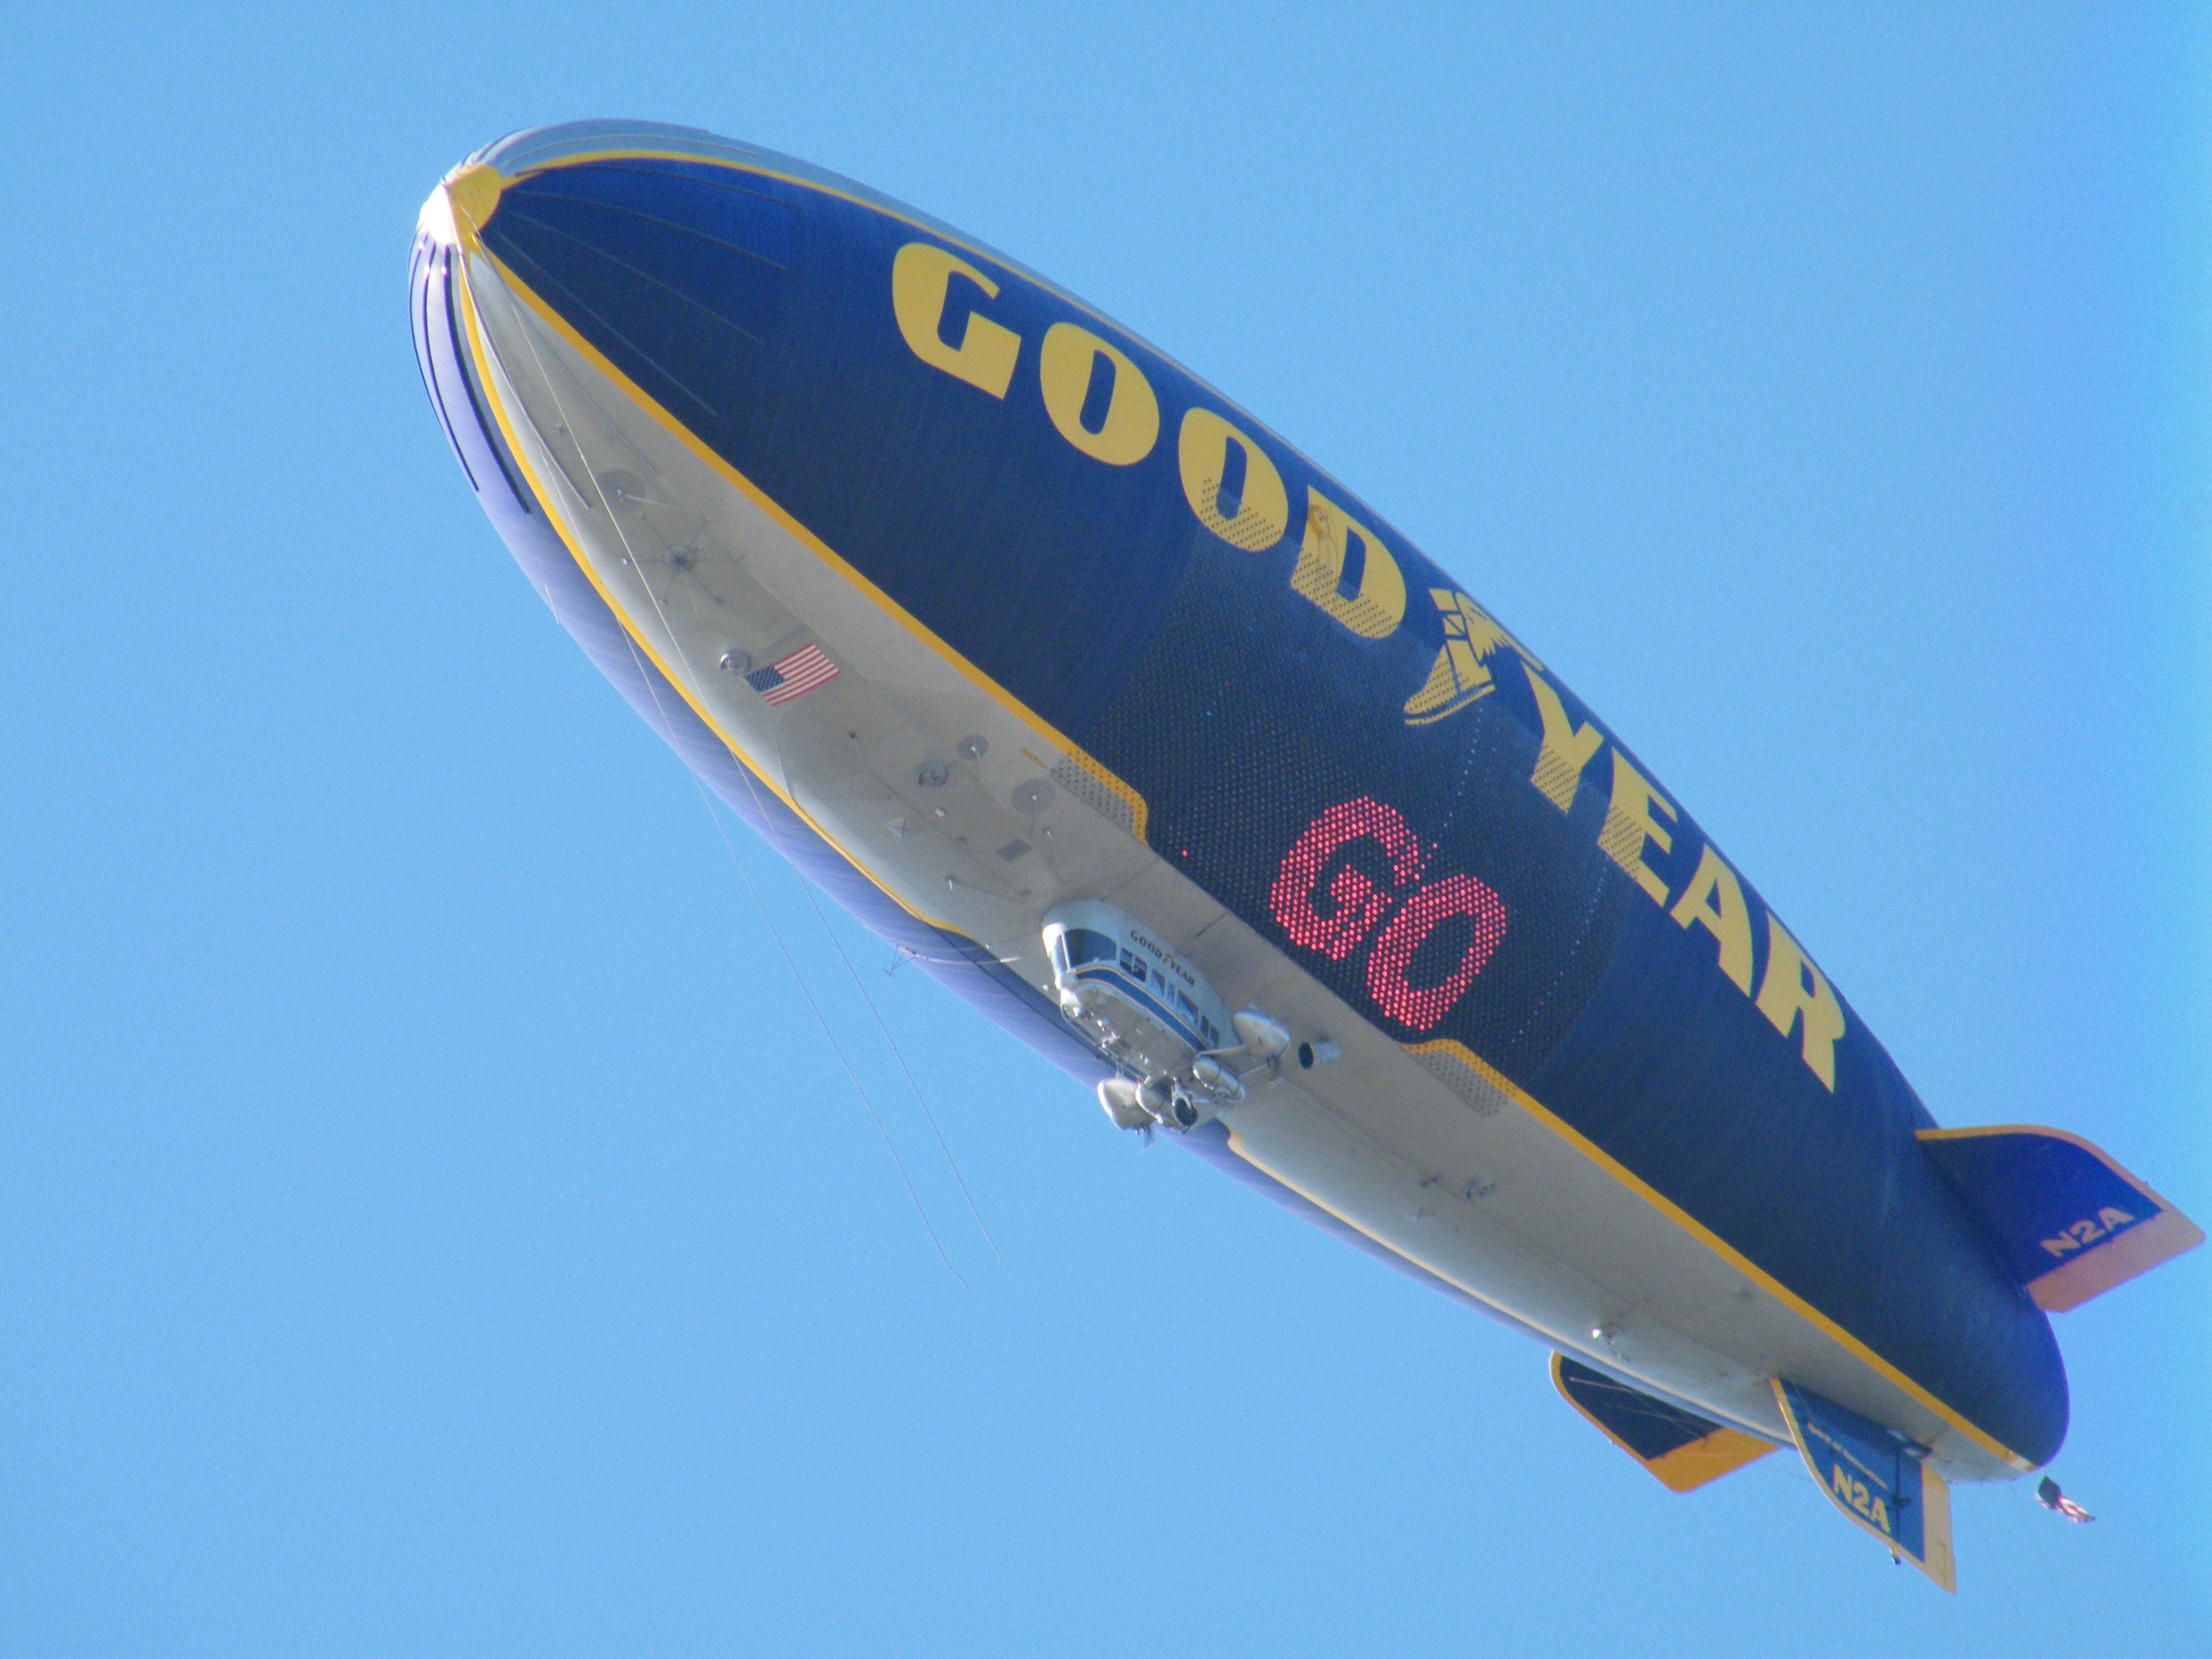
column 2050, row 1497
column 794, row 677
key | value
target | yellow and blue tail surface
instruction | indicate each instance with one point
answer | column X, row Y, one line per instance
column 2068, row 1220
column 1682, row 1448
column 1877, row 1477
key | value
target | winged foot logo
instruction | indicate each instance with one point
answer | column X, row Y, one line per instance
column 1461, row 672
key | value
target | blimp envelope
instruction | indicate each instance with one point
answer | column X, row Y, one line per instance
column 1167, row 751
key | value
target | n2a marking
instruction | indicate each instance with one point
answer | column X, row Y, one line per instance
column 1862, row 1500
column 2084, row 1232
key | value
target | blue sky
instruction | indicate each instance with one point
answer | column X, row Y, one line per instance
column 429, row 1220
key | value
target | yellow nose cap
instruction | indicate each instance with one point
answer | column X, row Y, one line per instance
column 474, row 191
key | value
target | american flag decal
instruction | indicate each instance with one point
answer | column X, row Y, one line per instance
column 794, row 677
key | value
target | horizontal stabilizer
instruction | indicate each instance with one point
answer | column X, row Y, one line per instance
column 1876, row 1478
column 1682, row 1448
column 2071, row 1223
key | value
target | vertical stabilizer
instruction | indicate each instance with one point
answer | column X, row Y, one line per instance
column 1876, row 1478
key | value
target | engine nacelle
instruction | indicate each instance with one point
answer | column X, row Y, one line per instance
column 1161, row 1102
column 1216, row 1080
column 1174, row 1106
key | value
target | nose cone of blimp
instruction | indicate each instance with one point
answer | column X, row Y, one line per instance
column 663, row 254
column 449, row 339
column 464, row 200
column 679, row 343
column 564, row 270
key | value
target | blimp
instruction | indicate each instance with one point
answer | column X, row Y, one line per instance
column 1160, row 746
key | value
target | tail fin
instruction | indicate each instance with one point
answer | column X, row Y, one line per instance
column 1683, row 1449
column 1876, row 1478
column 2071, row 1223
